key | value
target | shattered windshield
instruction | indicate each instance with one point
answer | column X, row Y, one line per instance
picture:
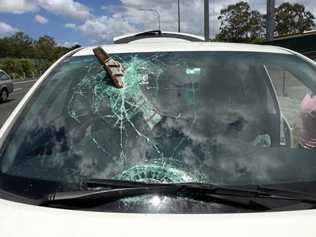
column 213, row 117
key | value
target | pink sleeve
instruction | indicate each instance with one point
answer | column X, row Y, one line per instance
column 308, row 104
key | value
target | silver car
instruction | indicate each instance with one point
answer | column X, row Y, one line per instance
column 6, row 86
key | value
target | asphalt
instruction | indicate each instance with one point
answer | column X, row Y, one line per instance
column 20, row 89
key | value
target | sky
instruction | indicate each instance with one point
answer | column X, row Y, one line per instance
column 88, row 22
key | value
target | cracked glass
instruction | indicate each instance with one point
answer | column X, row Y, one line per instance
column 210, row 117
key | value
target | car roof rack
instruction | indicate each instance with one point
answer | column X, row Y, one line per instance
column 149, row 33
column 157, row 34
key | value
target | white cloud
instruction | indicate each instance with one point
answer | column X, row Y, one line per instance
column 192, row 18
column 103, row 29
column 70, row 25
column 6, row 29
column 17, row 6
column 129, row 18
column 69, row 44
column 67, row 8
column 192, row 12
column 40, row 19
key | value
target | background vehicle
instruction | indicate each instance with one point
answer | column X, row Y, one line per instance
column 197, row 128
column 6, row 86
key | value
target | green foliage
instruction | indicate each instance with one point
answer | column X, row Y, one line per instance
column 20, row 68
column 21, row 56
column 257, row 41
column 293, row 19
column 238, row 23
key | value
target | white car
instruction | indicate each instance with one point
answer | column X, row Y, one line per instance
column 203, row 139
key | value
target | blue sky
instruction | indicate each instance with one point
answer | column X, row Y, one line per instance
column 54, row 25
column 98, row 21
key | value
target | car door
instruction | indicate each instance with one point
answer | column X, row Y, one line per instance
column 5, row 82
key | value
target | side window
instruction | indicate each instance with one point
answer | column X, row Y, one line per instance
column 3, row 77
column 290, row 94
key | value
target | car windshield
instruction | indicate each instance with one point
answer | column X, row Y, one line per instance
column 229, row 118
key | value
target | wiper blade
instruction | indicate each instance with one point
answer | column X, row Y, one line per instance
column 258, row 191
column 94, row 197
column 118, row 189
column 286, row 194
column 115, row 183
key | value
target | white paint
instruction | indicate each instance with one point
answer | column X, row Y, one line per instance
column 184, row 46
column 33, row 221
column 24, row 82
column 17, row 89
column 157, row 40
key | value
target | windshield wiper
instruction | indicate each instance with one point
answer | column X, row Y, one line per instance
column 88, row 198
column 258, row 190
column 112, row 190
column 116, row 183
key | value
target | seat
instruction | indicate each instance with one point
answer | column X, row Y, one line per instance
column 238, row 102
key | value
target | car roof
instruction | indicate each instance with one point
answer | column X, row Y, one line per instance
column 184, row 47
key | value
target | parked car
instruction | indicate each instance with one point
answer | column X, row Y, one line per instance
column 197, row 128
column 6, row 86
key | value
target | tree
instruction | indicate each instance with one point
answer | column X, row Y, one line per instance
column 21, row 56
column 5, row 48
column 293, row 19
column 22, row 45
column 27, row 67
column 238, row 23
column 46, row 47
column 18, row 45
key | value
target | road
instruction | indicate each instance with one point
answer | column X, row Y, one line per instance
column 20, row 89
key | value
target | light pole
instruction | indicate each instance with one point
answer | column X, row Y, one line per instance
column 178, row 15
column 270, row 19
column 153, row 11
column 206, row 20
